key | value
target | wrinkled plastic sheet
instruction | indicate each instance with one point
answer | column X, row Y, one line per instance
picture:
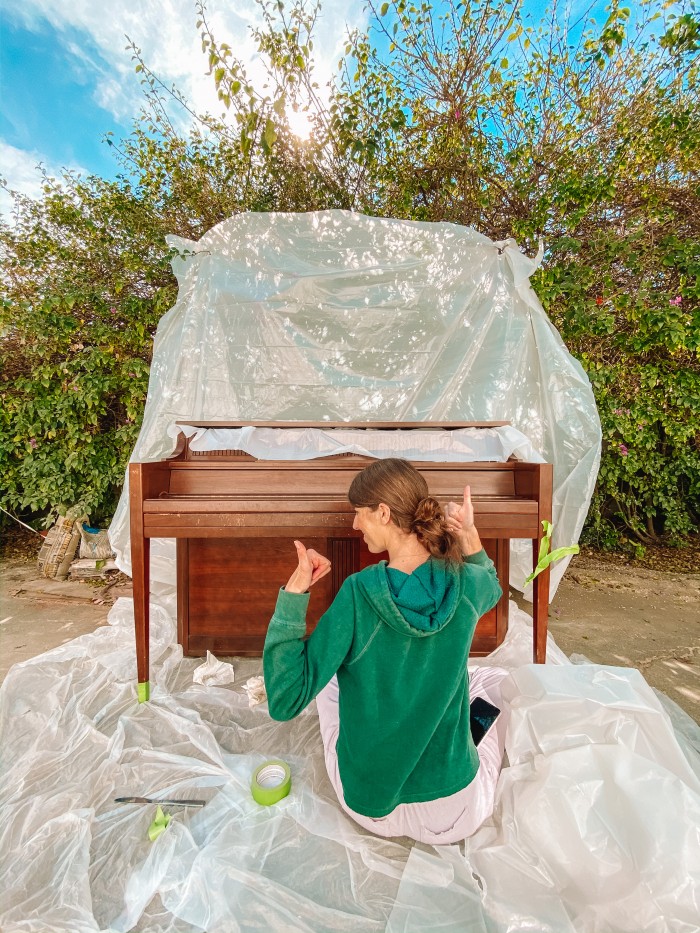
column 595, row 827
column 336, row 316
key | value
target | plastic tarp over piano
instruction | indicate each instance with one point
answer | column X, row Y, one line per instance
column 335, row 316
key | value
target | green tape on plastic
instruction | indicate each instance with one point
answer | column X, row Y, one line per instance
column 144, row 691
column 271, row 782
column 544, row 559
column 159, row 824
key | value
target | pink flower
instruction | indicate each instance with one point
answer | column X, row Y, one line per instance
column 32, row 441
column 676, row 301
column 458, row 114
column 623, row 450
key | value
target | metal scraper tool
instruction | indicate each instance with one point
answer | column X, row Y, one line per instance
column 178, row 803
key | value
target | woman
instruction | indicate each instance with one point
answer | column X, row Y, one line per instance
column 388, row 662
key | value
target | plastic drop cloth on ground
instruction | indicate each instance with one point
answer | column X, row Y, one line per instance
column 336, row 316
column 595, row 827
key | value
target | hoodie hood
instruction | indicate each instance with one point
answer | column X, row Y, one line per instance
column 416, row 604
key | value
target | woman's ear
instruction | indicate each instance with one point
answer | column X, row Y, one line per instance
column 384, row 513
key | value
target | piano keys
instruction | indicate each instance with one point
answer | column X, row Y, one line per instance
column 235, row 517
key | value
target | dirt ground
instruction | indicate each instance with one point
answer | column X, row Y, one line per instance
column 609, row 609
column 634, row 617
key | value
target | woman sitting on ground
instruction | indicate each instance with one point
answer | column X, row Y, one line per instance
column 387, row 663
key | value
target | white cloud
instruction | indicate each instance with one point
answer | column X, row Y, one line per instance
column 20, row 168
column 171, row 45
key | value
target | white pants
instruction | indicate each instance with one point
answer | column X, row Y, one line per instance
column 445, row 820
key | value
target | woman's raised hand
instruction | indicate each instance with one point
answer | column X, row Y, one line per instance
column 460, row 520
column 312, row 566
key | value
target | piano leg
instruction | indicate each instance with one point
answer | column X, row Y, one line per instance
column 140, row 568
column 540, row 608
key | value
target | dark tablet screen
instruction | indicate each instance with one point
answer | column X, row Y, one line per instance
column 482, row 716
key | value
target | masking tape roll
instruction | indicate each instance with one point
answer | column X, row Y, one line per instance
column 271, row 781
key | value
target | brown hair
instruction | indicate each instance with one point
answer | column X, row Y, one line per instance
column 400, row 486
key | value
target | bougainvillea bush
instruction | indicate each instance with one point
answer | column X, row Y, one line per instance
column 582, row 134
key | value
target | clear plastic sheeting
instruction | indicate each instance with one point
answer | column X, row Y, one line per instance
column 595, row 827
column 336, row 316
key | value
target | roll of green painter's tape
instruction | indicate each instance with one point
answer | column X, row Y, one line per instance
column 271, row 782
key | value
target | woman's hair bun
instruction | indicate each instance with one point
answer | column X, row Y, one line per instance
column 428, row 510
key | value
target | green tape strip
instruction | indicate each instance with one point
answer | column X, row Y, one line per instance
column 143, row 691
column 544, row 559
column 159, row 824
column 271, row 782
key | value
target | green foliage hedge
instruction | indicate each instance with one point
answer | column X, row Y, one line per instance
column 586, row 137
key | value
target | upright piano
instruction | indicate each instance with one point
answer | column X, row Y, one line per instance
column 235, row 518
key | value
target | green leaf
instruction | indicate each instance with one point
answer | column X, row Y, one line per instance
column 544, row 559
column 269, row 135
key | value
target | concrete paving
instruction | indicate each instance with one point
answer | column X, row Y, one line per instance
column 37, row 614
column 644, row 619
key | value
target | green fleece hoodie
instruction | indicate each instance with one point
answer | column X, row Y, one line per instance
column 399, row 644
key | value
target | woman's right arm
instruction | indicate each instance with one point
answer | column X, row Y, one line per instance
column 296, row 668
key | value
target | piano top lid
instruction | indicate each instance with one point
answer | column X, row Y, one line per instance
column 350, row 425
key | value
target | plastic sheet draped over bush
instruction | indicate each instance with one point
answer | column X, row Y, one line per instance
column 335, row 316
column 595, row 826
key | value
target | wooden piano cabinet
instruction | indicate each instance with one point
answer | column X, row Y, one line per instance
column 227, row 589
column 235, row 519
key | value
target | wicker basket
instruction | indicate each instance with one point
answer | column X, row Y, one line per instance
column 59, row 547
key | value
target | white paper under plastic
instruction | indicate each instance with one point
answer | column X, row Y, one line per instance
column 466, row 444
column 595, row 828
column 335, row 316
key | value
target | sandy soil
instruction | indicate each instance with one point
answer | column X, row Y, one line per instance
column 635, row 617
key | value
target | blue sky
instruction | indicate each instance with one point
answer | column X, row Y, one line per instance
column 67, row 78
